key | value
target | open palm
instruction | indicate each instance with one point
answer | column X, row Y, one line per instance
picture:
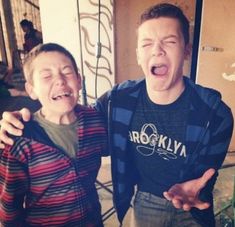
column 186, row 195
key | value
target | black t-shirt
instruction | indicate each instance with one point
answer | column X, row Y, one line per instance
column 157, row 142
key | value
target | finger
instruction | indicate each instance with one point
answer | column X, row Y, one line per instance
column 202, row 205
column 168, row 196
column 186, row 207
column 9, row 128
column 2, row 146
column 11, row 118
column 25, row 113
column 5, row 139
column 206, row 177
column 176, row 203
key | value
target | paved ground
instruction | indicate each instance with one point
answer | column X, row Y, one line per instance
column 223, row 193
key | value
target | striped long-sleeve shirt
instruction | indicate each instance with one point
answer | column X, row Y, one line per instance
column 40, row 185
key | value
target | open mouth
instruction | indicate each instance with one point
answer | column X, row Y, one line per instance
column 62, row 95
column 159, row 70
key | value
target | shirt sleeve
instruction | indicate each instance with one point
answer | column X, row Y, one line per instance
column 13, row 187
column 221, row 133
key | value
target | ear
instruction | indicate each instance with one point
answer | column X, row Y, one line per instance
column 79, row 82
column 187, row 51
column 29, row 89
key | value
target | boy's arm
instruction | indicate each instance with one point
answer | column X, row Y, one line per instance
column 11, row 124
column 13, row 188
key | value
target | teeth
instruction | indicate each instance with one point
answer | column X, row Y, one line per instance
column 64, row 94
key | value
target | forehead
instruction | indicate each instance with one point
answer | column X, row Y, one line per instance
column 162, row 26
column 51, row 58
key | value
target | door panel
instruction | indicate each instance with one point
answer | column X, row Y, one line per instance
column 216, row 59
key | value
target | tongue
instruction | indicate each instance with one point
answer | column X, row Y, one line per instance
column 160, row 70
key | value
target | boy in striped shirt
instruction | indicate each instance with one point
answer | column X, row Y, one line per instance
column 47, row 178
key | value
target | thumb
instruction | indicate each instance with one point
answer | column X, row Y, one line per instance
column 206, row 177
column 202, row 205
column 25, row 114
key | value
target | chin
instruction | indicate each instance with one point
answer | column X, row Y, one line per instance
column 158, row 85
column 66, row 113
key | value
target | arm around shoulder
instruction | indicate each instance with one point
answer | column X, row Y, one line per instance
column 11, row 124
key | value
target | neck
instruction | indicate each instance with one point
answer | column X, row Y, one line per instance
column 166, row 97
column 65, row 119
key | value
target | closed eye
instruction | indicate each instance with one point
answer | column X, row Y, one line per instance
column 146, row 45
column 170, row 41
column 69, row 74
column 68, row 71
column 46, row 76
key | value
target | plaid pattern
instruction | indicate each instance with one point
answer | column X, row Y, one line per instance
column 208, row 134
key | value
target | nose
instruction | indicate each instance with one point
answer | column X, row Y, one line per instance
column 60, row 79
column 158, row 49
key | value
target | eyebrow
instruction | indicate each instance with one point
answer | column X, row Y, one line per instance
column 165, row 37
column 146, row 40
column 49, row 70
column 67, row 66
column 45, row 70
column 170, row 36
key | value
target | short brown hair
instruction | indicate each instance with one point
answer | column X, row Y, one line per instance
column 167, row 10
column 48, row 47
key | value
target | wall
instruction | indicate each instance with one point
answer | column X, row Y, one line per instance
column 60, row 24
column 126, row 17
column 216, row 67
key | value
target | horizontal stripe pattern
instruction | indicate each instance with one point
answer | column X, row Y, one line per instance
column 42, row 186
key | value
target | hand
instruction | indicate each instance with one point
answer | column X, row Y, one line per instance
column 186, row 195
column 11, row 124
